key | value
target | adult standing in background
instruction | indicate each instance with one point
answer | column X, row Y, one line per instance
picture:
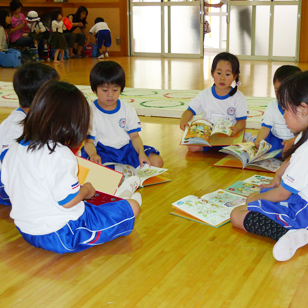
column 78, row 20
column 244, row 20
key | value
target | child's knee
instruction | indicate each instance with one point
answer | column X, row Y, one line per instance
column 135, row 206
column 156, row 160
column 237, row 216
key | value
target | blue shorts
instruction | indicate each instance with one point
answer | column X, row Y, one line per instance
column 4, row 198
column 291, row 213
column 275, row 142
column 103, row 38
column 96, row 226
column 126, row 155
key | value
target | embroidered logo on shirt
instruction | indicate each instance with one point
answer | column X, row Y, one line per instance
column 122, row 122
column 76, row 185
column 231, row 111
column 289, row 179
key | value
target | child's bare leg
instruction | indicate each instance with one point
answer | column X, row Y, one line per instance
column 237, row 216
column 55, row 59
column 62, row 55
column 135, row 206
column 156, row 160
column 35, row 43
column 195, row 148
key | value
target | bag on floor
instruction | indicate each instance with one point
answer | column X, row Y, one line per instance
column 29, row 55
column 87, row 51
column 10, row 58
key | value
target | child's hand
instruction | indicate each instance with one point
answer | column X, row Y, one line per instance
column 96, row 158
column 144, row 159
column 287, row 144
column 235, row 130
column 91, row 190
column 183, row 125
column 274, row 183
column 257, row 143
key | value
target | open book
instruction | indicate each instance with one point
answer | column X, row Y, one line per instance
column 212, row 209
column 202, row 132
column 249, row 186
column 246, row 155
column 147, row 175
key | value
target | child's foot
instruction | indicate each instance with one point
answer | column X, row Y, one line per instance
column 287, row 245
column 137, row 197
column 101, row 56
column 106, row 54
column 56, row 61
column 128, row 187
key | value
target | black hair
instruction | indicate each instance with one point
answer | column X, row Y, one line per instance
column 55, row 14
column 284, row 72
column 3, row 15
column 78, row 13
column 28, row 79
column 292, row 92
column 60, row 113
column 15, row 5
column 235, row 64
column 108, row 72
column 99, row 19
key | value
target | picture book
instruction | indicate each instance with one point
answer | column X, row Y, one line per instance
column 147, row 175
column 102, row 178
column 246, row 155
column 249, row 186
column 202, row 132
column 212, row 209
column 101, row 198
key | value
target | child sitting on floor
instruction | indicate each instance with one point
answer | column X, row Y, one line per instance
column 221, row 100
column 102, row 35
column 114, row 130
column 280, row 211
column 39, row 174
column 27, row 81
column 274, row 129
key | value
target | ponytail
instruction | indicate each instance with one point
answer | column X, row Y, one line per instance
column 234, row 90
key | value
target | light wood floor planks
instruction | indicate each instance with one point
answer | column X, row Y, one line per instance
column 166, row 261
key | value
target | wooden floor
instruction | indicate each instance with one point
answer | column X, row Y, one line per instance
column 166, row 261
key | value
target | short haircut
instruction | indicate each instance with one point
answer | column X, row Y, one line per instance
column 60, row 113
column 14, row 5
column 285, row 71
column 108, row 72
column 28, row 79
column 99, row 19
column 3, row 14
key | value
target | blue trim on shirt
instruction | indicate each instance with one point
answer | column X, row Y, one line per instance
column 90, row 137
column 134, row 130
column 189, row 108
column 22, row 142
column 242, row 118
column 218, row 96
column 3, row 154
column 268, row 126
column 288, row 188
column 19, row 109
column 280, row 109
column 108, row 111
column 68, row 198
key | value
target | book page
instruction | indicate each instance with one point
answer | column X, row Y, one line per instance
column 238, row 152
column 147, row 172
column 242, row 188
column 258, row 179
column 213, row 208
column 264, row 147
column 271, row 164
column 198, row 132
column 222, row 126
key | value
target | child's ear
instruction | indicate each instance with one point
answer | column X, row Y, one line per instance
column 303, row 109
